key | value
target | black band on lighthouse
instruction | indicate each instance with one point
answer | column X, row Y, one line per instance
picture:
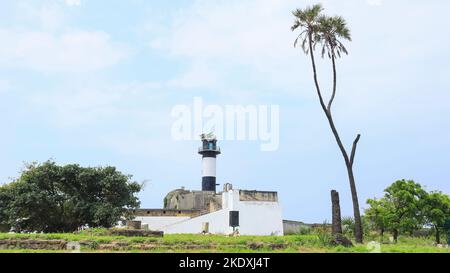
column 209, row 183
column 209, row 154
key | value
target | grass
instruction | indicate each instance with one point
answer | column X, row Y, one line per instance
column 100, row 241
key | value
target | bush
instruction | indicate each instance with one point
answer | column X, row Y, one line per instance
column 324, row 238
column 324, row 235
column 305, row 230
column 4, row 228
column 348, row 226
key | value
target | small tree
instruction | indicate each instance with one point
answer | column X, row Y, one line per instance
column 400, row 210
column 376, row 215
column 436, row 209
column 403, row 203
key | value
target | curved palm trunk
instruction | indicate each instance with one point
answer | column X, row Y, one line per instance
column 348, row 160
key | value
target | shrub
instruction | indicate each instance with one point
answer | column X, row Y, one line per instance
column 305, row 230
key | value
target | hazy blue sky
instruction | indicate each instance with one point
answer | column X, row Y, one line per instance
column 93, row 82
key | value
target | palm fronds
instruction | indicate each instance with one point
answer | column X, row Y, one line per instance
column 321, row 29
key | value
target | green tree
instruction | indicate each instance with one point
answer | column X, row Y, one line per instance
column 5, row 198
column 51, row 198
column 436, row 209
column 376, row 215
column 400, row 210
column 317, row 29
column 403, row 203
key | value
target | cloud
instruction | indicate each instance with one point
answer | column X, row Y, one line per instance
column 241, row 32
column 73, row 2
column 374, row 2
column 249, row 43
column 93, row 104
column 71, row 51
column 246, row 40
column 198, row 75
column 131, row 119
column 40, row 37
column 50, row 17
column 4, row 86
column 45, row 15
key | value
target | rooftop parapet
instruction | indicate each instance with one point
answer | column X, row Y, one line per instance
column 262, row 196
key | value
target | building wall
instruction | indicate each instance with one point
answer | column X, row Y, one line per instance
column 258, row 196
column 293, row 227
column 218, row 224
column 255, row 218
column 160, row 222
column 168, row 212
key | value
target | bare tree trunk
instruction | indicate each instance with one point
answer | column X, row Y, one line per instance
column 348, row 160
column 438, row 235
column 356, row 212
column 336, row 213
column 395, row 234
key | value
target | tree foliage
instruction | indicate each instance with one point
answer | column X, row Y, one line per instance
column 376, row 215
column 436, row 210
column 407, row 207
column 404, row 200
column 51, row 198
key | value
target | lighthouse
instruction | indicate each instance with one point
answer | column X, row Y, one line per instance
column 209, row 151
column 216, row 212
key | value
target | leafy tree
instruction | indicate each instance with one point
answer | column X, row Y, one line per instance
column 5, row 198
column 403, row 203
column 436, row 209
column 376, row 215
column 400, row 210
column 407, row 207
column 317, row 29
column 51, row 198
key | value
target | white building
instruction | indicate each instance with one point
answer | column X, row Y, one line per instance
column 193, row 212
column 259, row 213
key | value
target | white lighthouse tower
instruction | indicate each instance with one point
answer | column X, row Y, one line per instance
column 209, row 151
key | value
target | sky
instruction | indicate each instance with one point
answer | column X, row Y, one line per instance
column 94, row 82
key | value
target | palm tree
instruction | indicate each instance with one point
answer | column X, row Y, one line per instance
column 317, row 29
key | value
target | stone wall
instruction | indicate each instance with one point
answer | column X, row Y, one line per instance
column 167, row 213
column 192, row 200
column 33, row 244
column 136, row 233
column 264, row 196
column 293, row 227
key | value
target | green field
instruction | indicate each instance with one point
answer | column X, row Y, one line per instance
column 100, row 242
